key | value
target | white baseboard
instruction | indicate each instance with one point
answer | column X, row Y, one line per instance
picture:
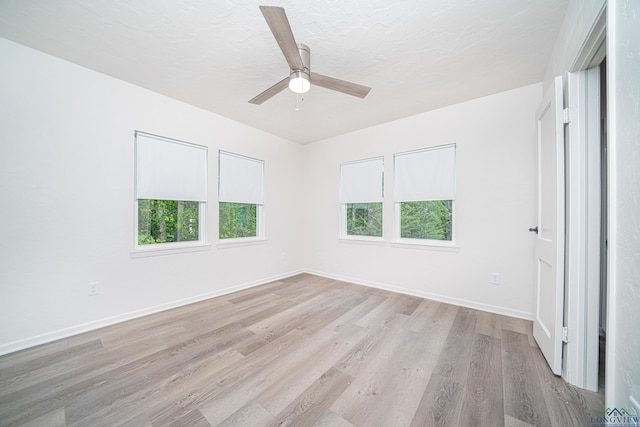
column 441, row 298
column 108, row 321
column 100, row 323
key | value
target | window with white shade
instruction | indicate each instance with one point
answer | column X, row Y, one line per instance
column 240, row 197
column 424, row 194
column 361, row 193
column 170, row 191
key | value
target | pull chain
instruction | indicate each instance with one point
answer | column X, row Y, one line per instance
column 299, row 99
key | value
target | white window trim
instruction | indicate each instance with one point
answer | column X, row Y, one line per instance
column 169, row 248
column 260, row 238
column 342, row 221
column 442, row 245
column 349, row 238
column 239, row 242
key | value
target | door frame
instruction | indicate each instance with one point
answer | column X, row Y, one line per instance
column 583, row 208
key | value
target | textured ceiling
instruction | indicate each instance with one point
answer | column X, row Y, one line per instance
column 416, row 55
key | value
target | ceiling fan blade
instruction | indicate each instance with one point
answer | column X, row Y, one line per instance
column 273, row 90
column 279, row 25
column 339, row 85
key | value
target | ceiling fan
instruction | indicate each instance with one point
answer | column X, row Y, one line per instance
column 298, row 57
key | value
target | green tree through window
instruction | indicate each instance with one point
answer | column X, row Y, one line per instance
column 163, row 221
column 426, row 220
column 364, row 219
column 237, row 220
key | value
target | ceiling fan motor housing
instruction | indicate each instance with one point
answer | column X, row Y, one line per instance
column 299, row 80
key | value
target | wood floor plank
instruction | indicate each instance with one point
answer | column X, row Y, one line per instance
column 394, row 304
column 456, row 354
column 56, row 358
column 39, row 398
column 304, row 350
column 483, row 403
column 440, row 404
column 356, row 360
column 523, row 398
column 518, row 325
column 354, row 315
column 147, row 372
column 304, row 371
column 251, row 414
column 566, row 404
column 439, row 327
column 380, row 396
column 233, row 373
column 193, row 418
column 488, row 324
column 275, row 382
column 510, row 421
column 177, row 390
column 289, row 319
column 311, row 404
column 330, row 419
column 422, row 316
column 52, row 419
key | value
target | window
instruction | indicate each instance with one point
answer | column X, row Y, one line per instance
column 162, row 221
column 240, row 196
column 171, row 190
column 238, row 220
column 424, row 194
column 364, row 219
column 361, row 193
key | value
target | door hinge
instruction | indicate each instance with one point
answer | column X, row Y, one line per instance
column 565, row 334
column 565, row 116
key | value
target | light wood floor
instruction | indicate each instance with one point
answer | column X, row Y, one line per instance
column 304, row 351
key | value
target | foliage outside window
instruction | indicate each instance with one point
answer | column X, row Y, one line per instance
column 430, row 220
column 424, row 191
column 364, row 219
column 238, row 220
column 164, row 221
column 361, row 194
column 171, row 193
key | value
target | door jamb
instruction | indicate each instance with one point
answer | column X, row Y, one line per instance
column 581, row 304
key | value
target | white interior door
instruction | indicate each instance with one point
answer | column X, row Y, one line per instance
column 548, row 310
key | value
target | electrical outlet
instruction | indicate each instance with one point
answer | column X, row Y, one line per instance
column 495, row 278
column 93, row 289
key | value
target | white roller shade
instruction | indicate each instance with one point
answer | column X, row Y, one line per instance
column 240, row 179
column 425, row 175
column 170, row 170
column 361, row 181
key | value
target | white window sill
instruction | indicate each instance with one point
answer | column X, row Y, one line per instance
column 356, row 240
column 239, row 242
column 430, row 245
column 168, row 249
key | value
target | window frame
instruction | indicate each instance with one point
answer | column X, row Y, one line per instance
column 247, row 240
column 357, row 237
column 342, row 229
column 261, row 236
column 399, row 241
column 168, row 248
column 443, row 245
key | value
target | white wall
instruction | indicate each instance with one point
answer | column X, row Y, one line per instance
column 623, row 323
column 579, row 21
column 495, row 205
column 67, row 201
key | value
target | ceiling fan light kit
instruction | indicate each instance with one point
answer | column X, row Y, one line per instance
column 299, row 80
column 298, row 57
